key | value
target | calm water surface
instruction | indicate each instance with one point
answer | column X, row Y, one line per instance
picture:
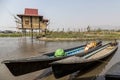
column 14, row 48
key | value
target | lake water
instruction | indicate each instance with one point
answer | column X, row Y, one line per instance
column 14, row 48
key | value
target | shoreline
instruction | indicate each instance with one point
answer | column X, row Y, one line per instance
column 74, row 39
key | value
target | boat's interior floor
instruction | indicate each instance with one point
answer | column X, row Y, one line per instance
column 102, row 52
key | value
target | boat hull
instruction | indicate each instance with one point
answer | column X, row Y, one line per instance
column 23, row 66
column 20, row 68
column 61, row 69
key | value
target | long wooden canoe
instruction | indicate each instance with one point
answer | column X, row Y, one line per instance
column 69, row 65
column 22, row 66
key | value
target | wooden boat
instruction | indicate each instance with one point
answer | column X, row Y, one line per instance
column 22, row 66
column 74, row 63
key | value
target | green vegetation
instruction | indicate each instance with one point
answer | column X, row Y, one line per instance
column 87, row 35
column 10, row 34
column 15, row 34
column 64, row 35
column 105, row 35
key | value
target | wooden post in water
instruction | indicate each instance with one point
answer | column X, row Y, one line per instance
column 31, row 26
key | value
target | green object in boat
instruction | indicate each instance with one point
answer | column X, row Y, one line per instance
column 59, row 53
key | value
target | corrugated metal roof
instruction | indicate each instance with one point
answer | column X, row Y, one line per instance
column 20, row 15
column 32, row 12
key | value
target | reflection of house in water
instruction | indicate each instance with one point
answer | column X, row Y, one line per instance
column 31, row 20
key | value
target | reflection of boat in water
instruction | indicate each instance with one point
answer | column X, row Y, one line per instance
column 22, row 66
column 69, row 65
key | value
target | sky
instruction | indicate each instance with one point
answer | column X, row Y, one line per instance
column 73, row 14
